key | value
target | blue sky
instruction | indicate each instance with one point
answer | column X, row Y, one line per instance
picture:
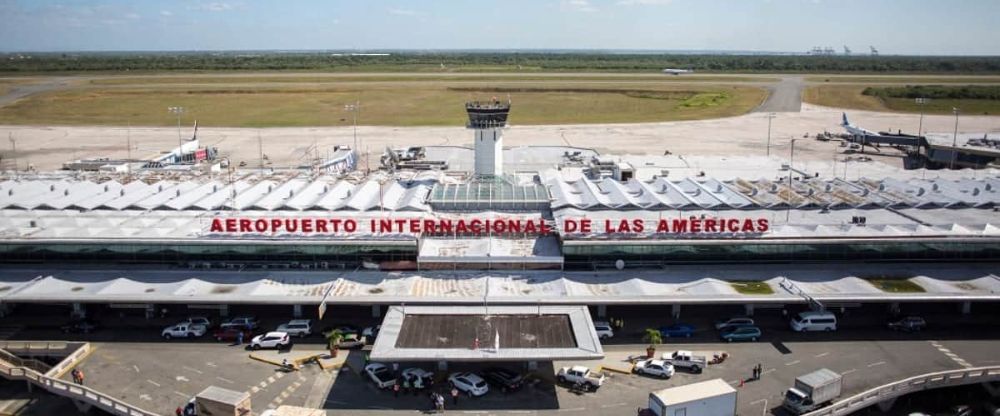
column 952, row 27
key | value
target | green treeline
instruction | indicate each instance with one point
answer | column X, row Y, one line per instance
column 486, row 62
column 974, row 92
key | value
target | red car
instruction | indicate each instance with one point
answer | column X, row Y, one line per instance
column 230, row 334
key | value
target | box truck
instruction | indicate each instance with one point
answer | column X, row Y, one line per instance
column 812, row 391
column 707, row 398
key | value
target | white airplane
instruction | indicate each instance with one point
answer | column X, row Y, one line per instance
column 673, row 71
column 855, row 130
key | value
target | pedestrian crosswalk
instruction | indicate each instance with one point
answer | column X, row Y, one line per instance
column 954, row 357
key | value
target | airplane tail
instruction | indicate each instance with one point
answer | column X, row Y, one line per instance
column 845, row 123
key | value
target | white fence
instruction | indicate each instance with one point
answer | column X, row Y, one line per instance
column 913, row 384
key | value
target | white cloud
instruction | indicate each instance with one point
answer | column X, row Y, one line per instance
column 166, row 13
column 577, row 6
column 404, row 12
column 215, row 7
column 642, row 2
column 132, row 16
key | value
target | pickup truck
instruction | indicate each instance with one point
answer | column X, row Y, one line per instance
column 184, row 330
column 686, row 359
column 580, row 375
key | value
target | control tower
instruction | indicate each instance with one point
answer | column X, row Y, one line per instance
column 488, row 119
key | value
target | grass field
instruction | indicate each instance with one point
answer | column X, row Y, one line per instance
column 849, row 96
column 752, row 287
column 264, row 78
column 896, row 285
column 405, row 103
column 905, row 79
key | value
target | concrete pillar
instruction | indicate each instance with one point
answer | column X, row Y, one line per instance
column 602, row 311
column 886, row 405
column 151, row 311
column 442, row 366
column 966, row 308
column 79, row 310
column 749, row 309
column 296, row 311
column 376, row 311
column 675, row 311
column 224, row 311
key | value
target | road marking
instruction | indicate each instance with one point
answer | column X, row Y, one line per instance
column 954, row 357
column 226, row 380
column 944, row 350
column 181, row 394
column 210, row 364
column 263, row 384
column 769, row 370
column 145, row 397
column 284, row 394
column 756, row 401
column 822, row 355
column 848, row 371
column 153, row 383
column 182, row 378
column 572, row 409
column 192, row 370
column 794, row 362
column 277, row 400
column 270, row 380
column 733, row 381
column 254, row 389
column 521, row 412
column 280, row 375
column 876, row 364
column 135, row 367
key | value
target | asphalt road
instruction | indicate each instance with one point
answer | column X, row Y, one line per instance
column 784, row 96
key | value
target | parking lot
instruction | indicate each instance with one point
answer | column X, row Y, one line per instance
column 131, row 362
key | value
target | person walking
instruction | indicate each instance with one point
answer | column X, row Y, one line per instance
column 79, row 374
column 239, row 338
column 454, row 396
column 440, row 403
column 395, row 388
column 76, row 376
column 760, row 370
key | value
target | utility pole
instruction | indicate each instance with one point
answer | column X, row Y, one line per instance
column 770, row 116
column 13, row 149
column 791, row 171
column 260, row 149
column 920, row 103
column 954, row 140
column 354, row 108
column 180, row 141
column 128, row 151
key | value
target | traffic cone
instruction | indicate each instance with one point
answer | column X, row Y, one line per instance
column 741, row 382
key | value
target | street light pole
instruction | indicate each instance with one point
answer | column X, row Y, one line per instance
column 13, row 149
column 791, row 171
column 954, row 140
column 770, row 116
column 180, row 141
column 920, row 103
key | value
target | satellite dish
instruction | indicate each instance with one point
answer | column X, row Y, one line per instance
column 620, row 264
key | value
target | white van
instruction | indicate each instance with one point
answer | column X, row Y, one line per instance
column 814, row 321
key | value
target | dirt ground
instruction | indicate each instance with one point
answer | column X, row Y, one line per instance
column 46, row 148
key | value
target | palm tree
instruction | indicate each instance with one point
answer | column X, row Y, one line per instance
column 654, row 338
column 333, row 339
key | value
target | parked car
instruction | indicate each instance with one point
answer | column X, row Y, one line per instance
column 414, row 373
column 351, row 340
column 908, row 324
column 677, row 331
column 469, row 383
column 735, row 321
column 79, row 326
column 199, row 320
column 297, row 327
column 604, row 330
column 580, row 375
column 231, row 334
column 248, row 322
column 740, row 333
column 654, row 367
column 275, row 339
column 814, row 321
column 504, row 379
column 184, row 330
column 371, row 332
column 686, row 359
column 381, row 375
column 344, row 329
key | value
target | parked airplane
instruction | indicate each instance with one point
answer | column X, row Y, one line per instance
column 855, row 130
column 673, row 71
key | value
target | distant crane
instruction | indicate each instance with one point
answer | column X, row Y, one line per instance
column 847, row 51
column 874, row 51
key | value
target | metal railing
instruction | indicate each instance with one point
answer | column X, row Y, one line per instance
column 910, row 385
column 11, row 371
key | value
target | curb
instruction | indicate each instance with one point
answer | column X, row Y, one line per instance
column 616, row 369
column 295, row 364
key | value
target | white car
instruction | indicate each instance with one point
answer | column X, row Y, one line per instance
column 297, row 327
column 604, row 330
column 277, row 340
column 379, row 374
column 470, row 383
column 655, row 368
column 184, row 330
column 350, row 341
column 426, row 377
